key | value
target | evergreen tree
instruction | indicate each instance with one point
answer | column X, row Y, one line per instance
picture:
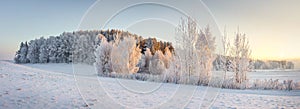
column 33, row 51
column 44, row 52
column 18, row 54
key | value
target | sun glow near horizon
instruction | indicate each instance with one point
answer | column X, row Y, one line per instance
column 274, row 48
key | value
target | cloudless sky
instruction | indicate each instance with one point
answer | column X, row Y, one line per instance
column 23, row 20
column 272, row 26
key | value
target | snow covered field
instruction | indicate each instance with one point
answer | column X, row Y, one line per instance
column 57, row 86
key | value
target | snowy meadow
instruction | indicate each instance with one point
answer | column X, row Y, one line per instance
column 54, row 86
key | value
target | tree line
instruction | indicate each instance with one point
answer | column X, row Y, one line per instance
column 78, row 46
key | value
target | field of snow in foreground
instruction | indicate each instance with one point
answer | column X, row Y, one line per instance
column 57, row 86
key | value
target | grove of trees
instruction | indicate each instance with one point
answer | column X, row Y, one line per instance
column 78, row 47
column 122, row 54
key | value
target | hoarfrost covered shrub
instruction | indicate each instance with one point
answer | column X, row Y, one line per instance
column 125, row 56
column 240, row 52
column 236, row 57
column 145, row 61
column 103, row 57
column 157, row 66
column 173, row 72
column 274, row 84
column 266, row 84
column 157, row 63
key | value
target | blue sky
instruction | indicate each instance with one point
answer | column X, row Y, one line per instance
column 271, row 25
column 23, row 20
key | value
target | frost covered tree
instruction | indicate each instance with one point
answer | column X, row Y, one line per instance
column 224, row 58
column 205, row 46
column 145, row 60
column 53, row 49
column 21, row 55
column 240, row 52
column 85, row 48
column 68, row 40
column 33, row 51
column 173, row 73
column 167, row 57
column 196, row 49
column 186, row 38
column 90, row 46
column 82, row 49
column 76, row 49
column 44, row 51
column 103, row 57
column 17, row 55
column 61, row 49
column 159, row 62
column 134, row 57
column 125, row 56
column 157, row 65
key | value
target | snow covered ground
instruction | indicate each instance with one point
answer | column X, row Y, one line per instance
column 57, row 86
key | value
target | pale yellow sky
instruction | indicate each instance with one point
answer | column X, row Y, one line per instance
column 272, row 26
